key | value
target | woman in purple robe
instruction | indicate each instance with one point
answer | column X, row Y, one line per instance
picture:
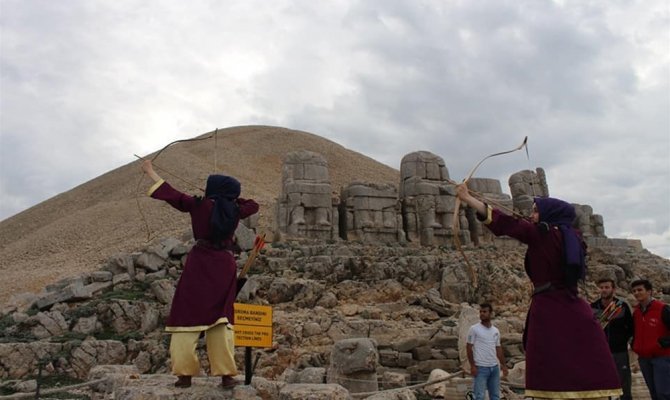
column 203, row 300
column 567, row 355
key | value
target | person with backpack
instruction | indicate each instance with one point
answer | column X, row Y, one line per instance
column 567, row 355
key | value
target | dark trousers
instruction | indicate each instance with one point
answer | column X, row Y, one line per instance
column 656, row 372
column 623, row 367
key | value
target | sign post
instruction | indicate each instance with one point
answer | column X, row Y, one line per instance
column 253, row 328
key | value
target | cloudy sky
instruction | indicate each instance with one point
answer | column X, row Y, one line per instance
column 86, row 83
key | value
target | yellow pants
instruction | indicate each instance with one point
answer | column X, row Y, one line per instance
column 220, row 341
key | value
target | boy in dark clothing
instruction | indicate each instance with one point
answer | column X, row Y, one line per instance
column 614, row 313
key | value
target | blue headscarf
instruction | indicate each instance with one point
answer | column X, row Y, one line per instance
column 562, row 214
column 224, row 190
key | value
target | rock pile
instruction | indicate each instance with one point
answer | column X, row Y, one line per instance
column 405, row 309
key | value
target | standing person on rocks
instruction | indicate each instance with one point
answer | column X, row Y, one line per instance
column 567, row 356
column 615, row 313
column 203, row 301
column 484, row 353
column 651, row 340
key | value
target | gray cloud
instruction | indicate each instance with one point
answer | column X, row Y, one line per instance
column 91, row 83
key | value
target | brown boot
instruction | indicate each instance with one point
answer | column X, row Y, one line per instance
column 228, row 381
column 183, row 381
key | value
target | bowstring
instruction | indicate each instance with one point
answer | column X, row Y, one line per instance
column 456, row 218
column 532, row 185
column 139, row 182
column 216, row 146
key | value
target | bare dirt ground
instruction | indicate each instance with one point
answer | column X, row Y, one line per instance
column 76, row 231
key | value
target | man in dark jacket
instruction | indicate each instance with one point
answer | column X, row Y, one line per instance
column 615, row 316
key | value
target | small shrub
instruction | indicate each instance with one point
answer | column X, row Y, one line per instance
column 11, row 333
column 60, row 380
column 68, row 336
column 138, row 291
column 6, row 322
column 56, row 380
column 82, row 311
column 33, row 310
column 5, row 391
column 121, row 337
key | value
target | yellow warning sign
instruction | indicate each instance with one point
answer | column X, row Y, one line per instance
column 253, row 325
column 252, row 314
column 253, row 336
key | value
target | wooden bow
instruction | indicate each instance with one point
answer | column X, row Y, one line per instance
column 456, row 223
column 193, row 185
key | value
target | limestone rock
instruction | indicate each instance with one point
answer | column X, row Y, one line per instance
column 399, row 394
column 394, row 380
column 301, row 391
column 311, row 375
column 22, row 359
column 154, row 258
column 127, row 316
column 26, row 386
column 456, row 285
column 49, row 324
column 87, row 325
column 19, row 303
column 95, row 352
column 266, row 389
column 244, row 237
column 105, row 370
column 73, row 292
column 437, row 389
column 164, row 290
column 120, row 263
column 354, row 365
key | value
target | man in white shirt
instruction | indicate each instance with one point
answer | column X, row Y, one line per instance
column 484, row 353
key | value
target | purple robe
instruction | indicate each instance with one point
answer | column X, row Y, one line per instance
column 208, row 284
column 567, row 355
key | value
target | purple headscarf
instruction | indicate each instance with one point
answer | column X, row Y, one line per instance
column 562, row 214
column 224, row 190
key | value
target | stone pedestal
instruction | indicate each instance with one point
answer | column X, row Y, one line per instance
column 590, row 224
column 307, row 207
column 526, row 185
column 353, row 364
column 370, row 212
column 491, row 189
column 428, row 201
